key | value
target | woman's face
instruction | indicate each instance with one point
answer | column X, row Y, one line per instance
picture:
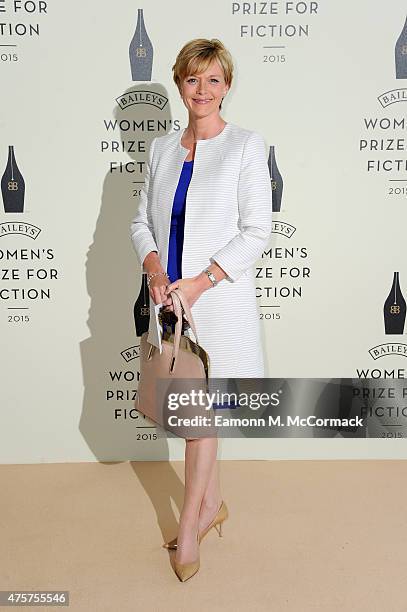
column 202, row 93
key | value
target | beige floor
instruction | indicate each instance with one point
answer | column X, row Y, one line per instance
column 302, row 536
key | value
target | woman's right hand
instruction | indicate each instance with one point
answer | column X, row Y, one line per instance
column 158, row 284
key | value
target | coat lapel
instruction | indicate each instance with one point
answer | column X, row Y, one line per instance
column 208, row 157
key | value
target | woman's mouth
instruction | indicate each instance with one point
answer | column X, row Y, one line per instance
column 198, row 101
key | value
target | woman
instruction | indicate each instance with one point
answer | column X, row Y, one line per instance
column 203, row 220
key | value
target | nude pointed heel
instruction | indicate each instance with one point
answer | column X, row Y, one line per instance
column 185, row 571
column 221, row 515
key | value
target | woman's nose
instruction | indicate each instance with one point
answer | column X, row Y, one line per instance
column 200, row 89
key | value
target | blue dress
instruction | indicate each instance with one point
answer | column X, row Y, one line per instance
column 176, row 239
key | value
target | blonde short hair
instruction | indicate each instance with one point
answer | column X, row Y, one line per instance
column 195, row 57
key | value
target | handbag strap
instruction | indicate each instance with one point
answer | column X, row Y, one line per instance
column 187, row 310
column 180, row 303
column 178, row 328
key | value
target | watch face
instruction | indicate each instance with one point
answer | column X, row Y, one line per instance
column 212, row 277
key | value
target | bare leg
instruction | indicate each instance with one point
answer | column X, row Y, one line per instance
column 200, row 457
column 212, row 498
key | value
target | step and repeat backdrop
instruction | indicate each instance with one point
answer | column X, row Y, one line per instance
column 85, row 88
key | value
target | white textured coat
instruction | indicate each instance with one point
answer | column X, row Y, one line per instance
column 227, row 220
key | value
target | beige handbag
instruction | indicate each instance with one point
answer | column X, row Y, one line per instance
column 182, row 365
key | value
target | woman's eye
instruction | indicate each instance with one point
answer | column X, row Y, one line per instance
column 193, row 79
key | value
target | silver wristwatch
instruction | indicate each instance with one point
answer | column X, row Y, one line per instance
column 211, row 277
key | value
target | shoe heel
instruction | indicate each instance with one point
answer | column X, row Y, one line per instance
column 220, row 529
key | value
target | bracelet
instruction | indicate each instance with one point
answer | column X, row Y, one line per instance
column 150, row 276
column 211, row 277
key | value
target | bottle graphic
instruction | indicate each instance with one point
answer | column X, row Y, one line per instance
column 12, row 185
column 276, row 180
column 394, row 309
column 141, row 52
column 400, row 53
column 142, row 308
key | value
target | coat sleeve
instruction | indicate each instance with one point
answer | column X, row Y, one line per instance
column 141, row 228
column 255, row 211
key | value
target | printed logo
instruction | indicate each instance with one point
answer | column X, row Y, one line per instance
column 141, row 309
column 133, row 352
column 277, row 183
column 394, row 316
column 400, row 53
column 141, row 52
column 141, row 97
column 12, row 185
column 394, row 309
column 283, row 228
column 393, row 96
column 383, row 139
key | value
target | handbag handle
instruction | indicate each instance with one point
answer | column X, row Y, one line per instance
column 180, row 303
column 178, row 327
column 187, row 310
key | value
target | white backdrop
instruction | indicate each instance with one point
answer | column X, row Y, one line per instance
column 310, row 77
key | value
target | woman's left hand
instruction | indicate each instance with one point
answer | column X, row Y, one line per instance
column 192, row 288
